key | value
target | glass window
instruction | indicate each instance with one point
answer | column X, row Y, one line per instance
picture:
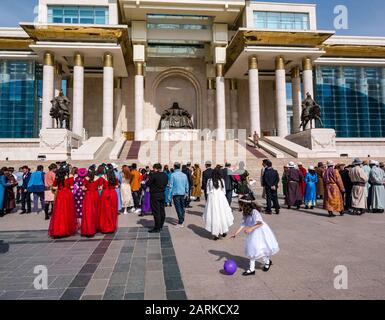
column 281, row 20
column 20, row 89
column 355, row 106
column 78, row 14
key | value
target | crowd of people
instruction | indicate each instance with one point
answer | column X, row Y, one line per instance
column 89, row 200
column 355, row 188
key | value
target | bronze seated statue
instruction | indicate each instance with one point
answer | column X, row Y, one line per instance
column 175, row 118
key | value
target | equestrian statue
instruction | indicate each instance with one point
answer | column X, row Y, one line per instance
column 60, row 111
column 310, row 111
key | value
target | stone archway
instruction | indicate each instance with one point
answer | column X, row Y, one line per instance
column 178, row 85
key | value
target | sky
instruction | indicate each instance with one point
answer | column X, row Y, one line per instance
column 365, row 17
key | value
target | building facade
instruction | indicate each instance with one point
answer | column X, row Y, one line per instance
column 232, row 64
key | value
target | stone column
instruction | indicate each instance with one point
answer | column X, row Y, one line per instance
column 280, row 96
column 234, row 103
column 308, row 76
column 117, row 107
column 297, row 98
column 139, row 99
column 211, row 102
column 58, row 78
column 221, row 103
column 108, row 96
column 48, row 89
column 78, row 95
column 255, row 117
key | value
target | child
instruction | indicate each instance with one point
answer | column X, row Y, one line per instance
column 260, row 241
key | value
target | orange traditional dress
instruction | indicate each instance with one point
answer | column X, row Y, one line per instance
column 333, row 189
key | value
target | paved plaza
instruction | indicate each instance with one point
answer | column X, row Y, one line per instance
column 186, row 263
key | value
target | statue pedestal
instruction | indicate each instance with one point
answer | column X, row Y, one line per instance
column 56, row 144
column 321, row 141
column 177, row 135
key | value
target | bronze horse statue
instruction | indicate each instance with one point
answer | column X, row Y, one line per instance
column 60, row 111
column 310, row 111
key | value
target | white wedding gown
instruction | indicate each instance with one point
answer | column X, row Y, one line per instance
column 217, row 215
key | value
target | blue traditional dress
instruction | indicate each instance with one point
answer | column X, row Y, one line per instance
column 118, row 194
column 311, row 180
column 167, row 190
column 3, row 185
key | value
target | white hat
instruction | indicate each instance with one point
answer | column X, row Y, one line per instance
column 330, row 163
column 300, row 163
column 311, row 167
column 291, row 164
column 374, row 162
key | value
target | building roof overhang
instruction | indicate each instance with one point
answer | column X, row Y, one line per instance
column 248, row 40
column 14, row 39
column 59, row 38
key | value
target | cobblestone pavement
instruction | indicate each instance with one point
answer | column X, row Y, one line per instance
column 182, row 263
column 130, row 265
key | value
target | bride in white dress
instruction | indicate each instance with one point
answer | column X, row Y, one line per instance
column 217, row 215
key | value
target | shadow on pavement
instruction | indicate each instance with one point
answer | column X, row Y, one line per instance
column 146, row 223
column 4, row 247
column 195, row 213
column 242, row 262
column 203, row 233
column 172, row 221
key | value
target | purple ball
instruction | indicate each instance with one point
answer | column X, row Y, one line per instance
column 230, row 267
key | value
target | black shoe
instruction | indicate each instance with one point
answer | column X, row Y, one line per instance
column 289, row 207
column 306, row 207
column 298, row 207
column 29, row 211
column 276, row 211
column 216, row 238
column 311, row 208
column 224, row 235
column 23, row 212
column 267, row 267
column 248, row 273
column 342, row 213
column 154, row 230
column 46, row 217
column 331, row 214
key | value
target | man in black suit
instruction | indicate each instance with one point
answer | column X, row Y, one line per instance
column 206, row 175
column 229, row 182
column 157, row 183
column 25, row 195
column 270, row 181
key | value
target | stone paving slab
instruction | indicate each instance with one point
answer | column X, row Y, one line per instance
column 110, row 267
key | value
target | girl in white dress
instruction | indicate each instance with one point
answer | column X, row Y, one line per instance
column 217, row 215
column 260, row 240
column 125, row 189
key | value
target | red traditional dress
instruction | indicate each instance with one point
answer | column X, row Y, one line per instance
column 108, row 209
column 90, row 215
column 63, row 222
column 303, row 183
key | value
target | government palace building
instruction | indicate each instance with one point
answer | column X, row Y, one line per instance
column 233, row 66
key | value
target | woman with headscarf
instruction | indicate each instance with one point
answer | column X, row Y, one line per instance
column 79, row 191
column 63, row 222
column 108, row 210
column 334, row 188
column 311, row 180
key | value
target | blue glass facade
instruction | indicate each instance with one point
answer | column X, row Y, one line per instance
column 78, row 14
column 352, row 100
column 20, row 99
